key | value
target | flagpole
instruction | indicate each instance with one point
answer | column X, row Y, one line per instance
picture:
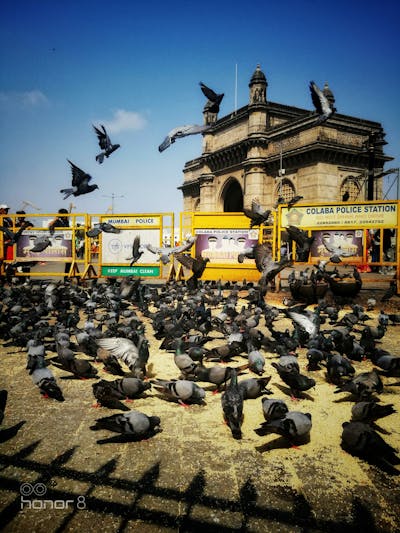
column 236, row 76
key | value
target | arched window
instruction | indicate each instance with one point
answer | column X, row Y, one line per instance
column 285, row 189
column 232, row 197
column 350, row 189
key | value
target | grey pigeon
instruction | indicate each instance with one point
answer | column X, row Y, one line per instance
column 123, row 349
column 80, row 182
column 361, row 440
column 363, row 385
column 179, row 132
column 273, row 409
column 370, row 411
column 165, row 252
column 256, row 214
column 294, row 425
column 40, row 244
column 214, row 99
column 232, row 406
column 183, row 390
column 133, row 425
column 137, row 251
column 321, row 103
column 44, row 378
column 254, row 387
column 102, row 226
column 105, row 144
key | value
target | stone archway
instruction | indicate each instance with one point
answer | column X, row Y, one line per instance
column 232, row 197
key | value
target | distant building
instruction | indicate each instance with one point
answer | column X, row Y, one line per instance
column 267, row 150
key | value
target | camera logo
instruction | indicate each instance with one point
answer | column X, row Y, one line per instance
column 30, row 492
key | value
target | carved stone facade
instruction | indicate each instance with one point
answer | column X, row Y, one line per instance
column 265, row 150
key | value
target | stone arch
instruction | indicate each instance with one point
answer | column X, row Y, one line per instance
column 285, row 189
column 352, row 186
column 232, row 196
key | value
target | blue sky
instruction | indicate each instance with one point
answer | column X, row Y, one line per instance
column 135, row 67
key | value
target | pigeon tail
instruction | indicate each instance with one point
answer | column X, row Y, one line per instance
column 100, row 157
column 67, row 193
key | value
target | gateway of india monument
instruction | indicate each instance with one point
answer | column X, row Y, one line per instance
column 266, row 150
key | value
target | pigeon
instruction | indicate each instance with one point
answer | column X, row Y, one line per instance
column 338, row 367
column 252, row 388
column 40, row 244
column 103, row 226
column 183, row 390
column 214, row 99
column 133, row 425
column 294, row 425
column 361, row 440
column 232, row 406
column 302, row 240
column 184, row 362
column 273, row 409
column 80, row 182
column 44, row 378
column 137, row 251
column 104, row 143
column 266, row 265
column 125, row 387
column 363, row 385
column 104, row 394
column 386, row 361
column 166, row 251
column 256, row 214
column 124, row 349
column 196, row 265
column 296, row 381
column 180, row 131
column 321, row 103
column 370, row 411
column 345, row 196
column 80, row 368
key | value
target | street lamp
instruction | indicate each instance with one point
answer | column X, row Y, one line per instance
column 113, row 196
column 374, row 141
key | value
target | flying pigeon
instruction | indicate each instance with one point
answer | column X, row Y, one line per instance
column 80, row 182
column 180, row 131
column 137, row 251
column 124, row 349
column 256, row 214
column 105, row 144
column 321, row 103
column 41, row 243
column 133, row 425
column 103, row 226
column 166, row 251
column 214, row 99
column 196, row 265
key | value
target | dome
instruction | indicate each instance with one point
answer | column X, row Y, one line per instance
column 258, row 77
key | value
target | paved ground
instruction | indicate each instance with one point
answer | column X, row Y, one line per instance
column 193, row 476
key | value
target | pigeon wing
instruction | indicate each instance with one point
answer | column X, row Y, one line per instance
column 78, row 175
column 262, row 256
column 118, row 346
column 185, row 260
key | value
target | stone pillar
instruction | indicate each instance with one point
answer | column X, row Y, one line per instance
column 207, row 192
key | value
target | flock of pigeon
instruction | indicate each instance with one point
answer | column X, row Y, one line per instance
column 81, row 180
column 55, row 322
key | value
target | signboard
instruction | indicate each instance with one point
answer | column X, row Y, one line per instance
column 371, row 215
column 122, row 271
column 60, row 247
column 224, row 245
column 132, row 221
column 117, row 247
column 346, row 243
